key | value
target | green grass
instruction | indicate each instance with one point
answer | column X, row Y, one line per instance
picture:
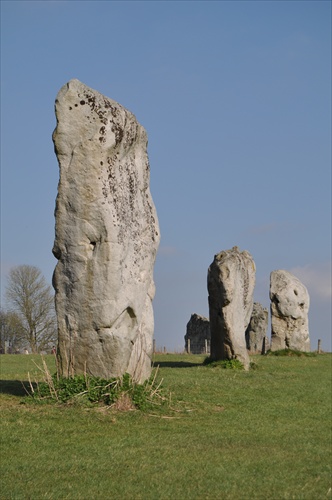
column 229, row 434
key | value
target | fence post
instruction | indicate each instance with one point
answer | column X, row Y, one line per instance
column 319, row 346
column 154, row 346
column 264, row 345
column 164, row 350
column 206, row 347
column 188, row 346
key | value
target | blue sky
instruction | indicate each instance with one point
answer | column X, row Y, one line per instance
column 236, row 100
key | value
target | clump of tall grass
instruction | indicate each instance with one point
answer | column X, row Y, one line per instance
column 229, row 364
column 121, row 393
column 291, row 352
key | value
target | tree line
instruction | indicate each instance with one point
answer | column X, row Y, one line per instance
column 29, row 322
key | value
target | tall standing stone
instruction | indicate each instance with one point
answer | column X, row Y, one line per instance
column 289, row 312
column 106, row 237
column 231, row 282
column 256, row 338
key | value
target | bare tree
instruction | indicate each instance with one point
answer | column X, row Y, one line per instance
column 31, row 298
column 11, row 334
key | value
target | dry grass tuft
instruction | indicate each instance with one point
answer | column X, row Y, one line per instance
column 123, row 403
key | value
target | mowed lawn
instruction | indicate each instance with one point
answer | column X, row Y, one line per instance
column 228, row 434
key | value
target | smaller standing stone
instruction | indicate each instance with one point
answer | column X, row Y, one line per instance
column 231, row 282
column 198, row 334
column 256, row 332
column 289, row 312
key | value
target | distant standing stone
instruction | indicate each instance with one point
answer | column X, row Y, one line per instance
column 106, row 238
column 198, row 333
column 231, row 282
column 256, row 338
column 289, row 312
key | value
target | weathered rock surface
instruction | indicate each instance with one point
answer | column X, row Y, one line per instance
column 106, row 238
column 231, row 282
column 289, row 312
column 198, row 334
column 256, row 338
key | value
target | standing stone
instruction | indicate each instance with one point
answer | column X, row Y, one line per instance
column 256, row 339
column 198, row 333
column 106, row 237
column 289, row 312
column 231, row 282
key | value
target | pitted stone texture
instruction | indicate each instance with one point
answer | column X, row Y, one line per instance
column 106, row 238
column 198, row 333
column 231, row 282
column 256, row 338
column 289, row 312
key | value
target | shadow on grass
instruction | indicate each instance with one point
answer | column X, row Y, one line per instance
column 176, row 364
column 15, row 387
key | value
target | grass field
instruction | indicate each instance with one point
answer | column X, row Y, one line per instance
column 229, row 434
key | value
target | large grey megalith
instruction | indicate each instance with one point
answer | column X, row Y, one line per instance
column 198, row 336
column 106, row 238
column 256, row 331
column 289, row 312
column 231, row 282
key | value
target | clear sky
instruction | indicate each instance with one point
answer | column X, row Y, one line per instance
column 236, row 100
